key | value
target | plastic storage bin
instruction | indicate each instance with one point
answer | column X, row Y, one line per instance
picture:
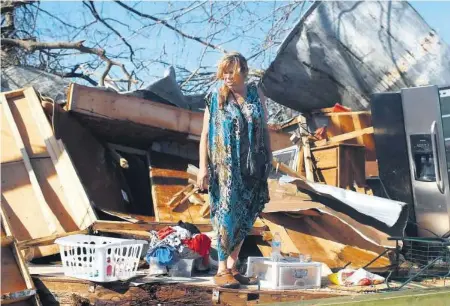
column 100, row 259
column 285, row 274
column 183, row 268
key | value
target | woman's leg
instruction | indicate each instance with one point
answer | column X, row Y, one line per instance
column 222, row 266
column 232, row 259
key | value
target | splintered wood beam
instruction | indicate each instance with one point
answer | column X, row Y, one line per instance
column 284, row 168
column 344, row 137
column 110, row 226
column 149, row 226
column 184, row 200
column 95, row 102
column 179, row 195
column 205, row 211
column 47, row 240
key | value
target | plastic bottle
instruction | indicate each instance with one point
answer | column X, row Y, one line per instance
column 276, row 247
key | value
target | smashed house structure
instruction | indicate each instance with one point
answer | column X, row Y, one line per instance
column 77, row 159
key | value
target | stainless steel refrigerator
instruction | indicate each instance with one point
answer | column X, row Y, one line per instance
column 414, row 125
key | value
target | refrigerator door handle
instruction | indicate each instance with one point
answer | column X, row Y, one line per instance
column 434, row 145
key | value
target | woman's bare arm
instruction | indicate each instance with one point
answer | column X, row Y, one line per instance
column 263, row 100
column 203, row 153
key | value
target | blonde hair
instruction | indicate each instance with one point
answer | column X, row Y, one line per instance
column 235, row 62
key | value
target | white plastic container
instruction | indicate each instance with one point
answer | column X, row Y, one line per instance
column 100, row 259
column 183, row 268
column 285, row 274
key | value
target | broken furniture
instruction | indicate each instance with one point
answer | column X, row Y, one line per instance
column 340, row 165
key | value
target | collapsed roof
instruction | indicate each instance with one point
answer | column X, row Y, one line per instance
column 345, row 51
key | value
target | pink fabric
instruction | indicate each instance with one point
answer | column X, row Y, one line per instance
column 164, row 232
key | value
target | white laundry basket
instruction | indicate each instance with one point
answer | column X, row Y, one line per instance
column 100, row 259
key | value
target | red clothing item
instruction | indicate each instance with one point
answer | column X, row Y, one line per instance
column 200, row 244
column 164, row 232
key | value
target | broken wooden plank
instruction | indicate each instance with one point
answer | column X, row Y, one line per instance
column 344, row 137
column 79, row 205
column 95, row 102
column 284, row 168
column 150, row 226
column 50, row 218
column 155, row 226
column 306, row 148
column 16, row 284
column 179, row 195
column 47, row 240
column 184, row 200
column 205, row 211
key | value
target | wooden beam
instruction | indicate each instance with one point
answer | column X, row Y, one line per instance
column 185, row 199
column 46, row 211
column 284, row 168
column 344, row 137
column 205, row 210
column 81, row 209
column 154, row 226
column 152, row 186
column 149, row 226
column 179, row 195
column 306, row 149
column 95, row 102
column 47, row 240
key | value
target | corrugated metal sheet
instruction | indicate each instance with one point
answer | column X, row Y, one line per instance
column 342, row 51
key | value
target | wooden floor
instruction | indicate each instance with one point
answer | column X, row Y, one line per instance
column 201, row 291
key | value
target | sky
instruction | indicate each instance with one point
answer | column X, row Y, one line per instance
column 437, row 15
column 157, row 42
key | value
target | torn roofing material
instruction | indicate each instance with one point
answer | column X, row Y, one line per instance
column 48, row 84
column 343, row 51
column 383, row 214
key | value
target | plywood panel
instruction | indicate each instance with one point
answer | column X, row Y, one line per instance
column 20, row 207
column 15, row 183
column 28, row 130
column 168, row 175
column 54, row 193
column 329, row 176
column 325, row 238
column 101, row 182
column 326, row 158
column 12, row 280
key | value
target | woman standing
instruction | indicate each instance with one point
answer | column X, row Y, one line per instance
column 235, row 155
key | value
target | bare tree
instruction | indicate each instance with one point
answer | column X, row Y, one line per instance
column 102, row 45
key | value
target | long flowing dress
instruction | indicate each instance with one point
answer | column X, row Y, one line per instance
column 236, row 198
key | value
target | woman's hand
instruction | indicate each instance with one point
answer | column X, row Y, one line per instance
column 202, row 178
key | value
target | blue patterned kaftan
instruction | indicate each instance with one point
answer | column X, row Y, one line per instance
column 236, row 198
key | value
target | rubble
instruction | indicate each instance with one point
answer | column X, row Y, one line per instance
column 97, row 161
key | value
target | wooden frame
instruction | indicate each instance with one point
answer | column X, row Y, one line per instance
column 344, row 137
column 40, row 172
column 29, row 292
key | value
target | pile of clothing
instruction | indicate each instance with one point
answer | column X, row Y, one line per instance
column 172, row 243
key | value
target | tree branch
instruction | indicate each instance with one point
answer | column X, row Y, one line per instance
column 167, row 25
column 91, row 6
column 32, row 46
column 9, row 6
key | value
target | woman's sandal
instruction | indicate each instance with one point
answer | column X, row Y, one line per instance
column 243, row 280
column 225, row 279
